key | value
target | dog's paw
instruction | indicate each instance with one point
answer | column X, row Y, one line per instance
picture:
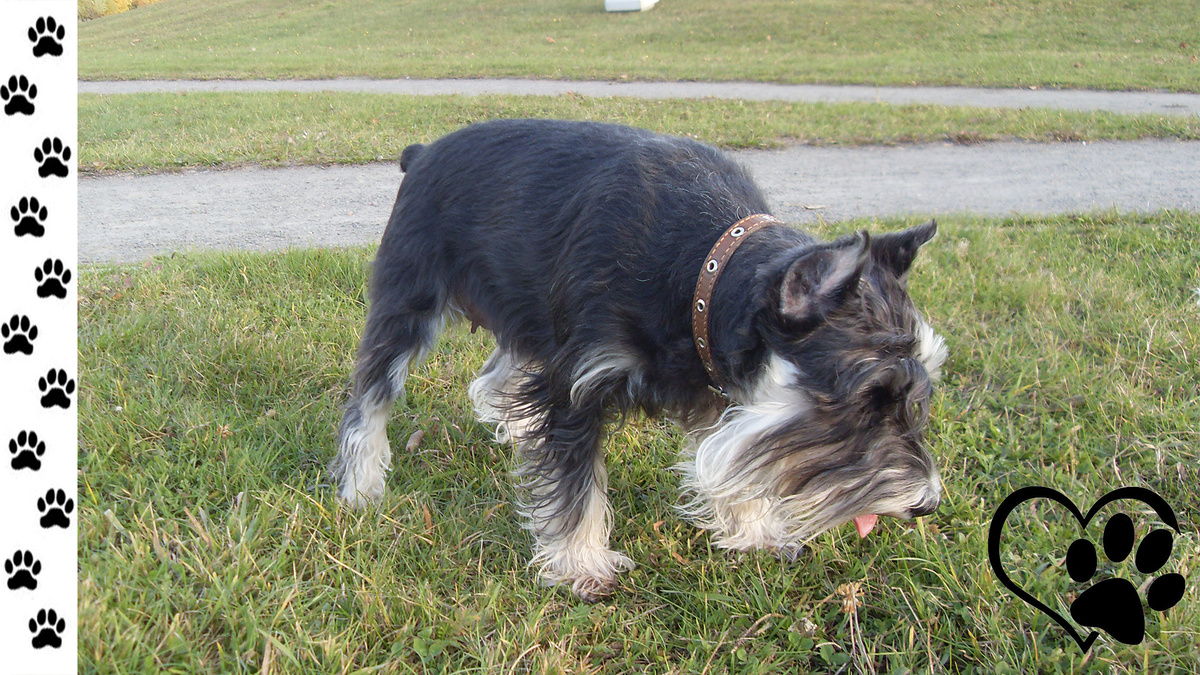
column 52, row 278
column 27, row 451
column 22, row 571
column 29, row 217
column 51, row 157
column 592, row 575
column 592, row 590
column 46, row 35
column 18, row 95
column 18, row 335
column 55, row 508
column 359, row 497
column 359, row 485
column 1113, row 605
column 56, row 388
column 47, row 628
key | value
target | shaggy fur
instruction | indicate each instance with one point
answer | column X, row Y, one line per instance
column 578, row 246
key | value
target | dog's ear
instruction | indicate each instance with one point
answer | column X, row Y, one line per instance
column 821, row 278
column 895, row 251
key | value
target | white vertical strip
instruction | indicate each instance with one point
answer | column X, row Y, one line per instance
column 38, row 496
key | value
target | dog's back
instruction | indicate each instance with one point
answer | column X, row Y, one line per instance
column 572, row 219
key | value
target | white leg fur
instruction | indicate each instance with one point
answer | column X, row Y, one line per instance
column 492, row 394
column 579, row 557
column 364, row 455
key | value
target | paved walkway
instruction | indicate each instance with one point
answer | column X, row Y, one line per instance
column 1160, row 103
column 128, row 218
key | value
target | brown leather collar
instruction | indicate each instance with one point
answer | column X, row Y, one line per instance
column 714, row 264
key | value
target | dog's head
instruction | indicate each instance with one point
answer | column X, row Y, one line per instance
column 832, row 427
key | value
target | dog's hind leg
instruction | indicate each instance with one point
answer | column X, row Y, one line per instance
column 398, row 334
column 493, row 390
column 494, row 395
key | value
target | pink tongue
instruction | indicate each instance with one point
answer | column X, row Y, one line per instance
column 864, row 524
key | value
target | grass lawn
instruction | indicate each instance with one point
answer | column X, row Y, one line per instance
column 210, row 541
column 156, row 132
column 1098, row 44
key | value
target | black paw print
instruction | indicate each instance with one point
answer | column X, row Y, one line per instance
column 29, row 216
column 22, row 571
column 18, row 95
column 27, row 451
column 47, row 38
column 56, row 389
column 47, row 156
column 55, row 507
column 18, row 335
column 47, row 629
column 1113, row 605
column 52, row 278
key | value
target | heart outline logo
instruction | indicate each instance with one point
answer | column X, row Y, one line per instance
column 1029, row 493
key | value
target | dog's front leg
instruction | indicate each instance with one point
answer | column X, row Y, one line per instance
column 567, row 507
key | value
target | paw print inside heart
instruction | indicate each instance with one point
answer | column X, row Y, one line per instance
column 29, row 216
column 56, row 389
column 22, row 571
column 1113, row 605
column 46, row 35
column 18, row 95
column 47, row 628
column 50, row 157
column 55, row 508
column 27, row 450
column 52, row 279
column 18, row 335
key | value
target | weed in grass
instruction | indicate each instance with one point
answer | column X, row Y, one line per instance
column 210, row 541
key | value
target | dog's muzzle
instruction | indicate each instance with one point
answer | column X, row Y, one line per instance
column 926, row 506
column 930, row 499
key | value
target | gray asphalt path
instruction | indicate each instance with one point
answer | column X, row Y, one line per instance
column 1161, row 103
column 128, row 218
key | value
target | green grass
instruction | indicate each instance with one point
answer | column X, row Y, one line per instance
column 210, row 541
column 155, row 132
column 1100, row 44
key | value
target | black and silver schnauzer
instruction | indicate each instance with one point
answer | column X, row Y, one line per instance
column 802, row 373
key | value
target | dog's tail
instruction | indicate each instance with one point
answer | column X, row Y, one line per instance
column 410, row 154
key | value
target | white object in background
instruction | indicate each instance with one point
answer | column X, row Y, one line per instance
column 628, row 5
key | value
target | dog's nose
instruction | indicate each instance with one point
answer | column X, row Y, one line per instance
column 931, row 498
column 926, row 507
